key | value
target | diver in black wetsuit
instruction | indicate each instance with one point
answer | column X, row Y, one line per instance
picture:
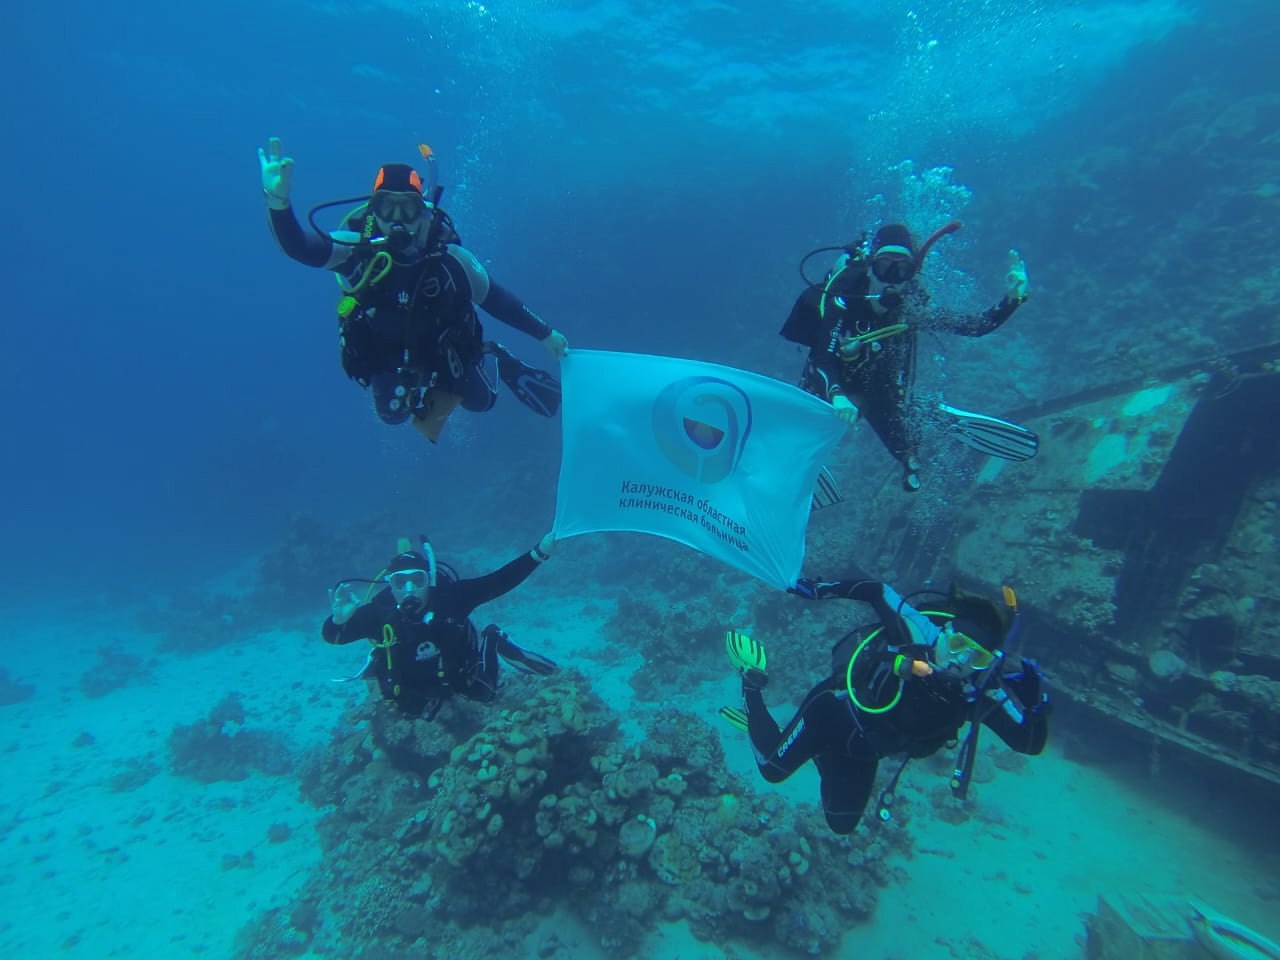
column 903, row 689
column 425, row 647
column 407, row 322
column 861, row 323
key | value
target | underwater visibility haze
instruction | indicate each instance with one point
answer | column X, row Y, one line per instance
column 191, row 472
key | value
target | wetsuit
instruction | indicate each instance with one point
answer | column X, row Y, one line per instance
column 416, row 327
column 876, row 375
column 847, row 744
column 440, row 652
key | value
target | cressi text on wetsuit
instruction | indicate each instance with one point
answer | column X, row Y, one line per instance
column 847, row 744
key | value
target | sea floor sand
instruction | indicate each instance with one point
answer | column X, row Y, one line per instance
column 107, row 853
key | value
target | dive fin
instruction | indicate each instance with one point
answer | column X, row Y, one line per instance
column 734, row 717
column 994, row 437
column 526, row 661
column 360, row 674
column 536, row 389
column 744, row 653
column 825, row 491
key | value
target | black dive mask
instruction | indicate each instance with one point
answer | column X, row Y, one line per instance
column 407, row 208
column 893, row 268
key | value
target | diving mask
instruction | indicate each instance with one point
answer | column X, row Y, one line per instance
column 399, row 207
column 956, row 649
column 402, row 581
column 893, row 265
column 409, row 590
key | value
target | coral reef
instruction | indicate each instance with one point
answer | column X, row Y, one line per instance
column 13, row 691
column 134, row 773
column 311, row 553
column 219, row 748
column 678, row 641
column 543, row 807
column 113, row 670
column 194, row 621
column 283, row 592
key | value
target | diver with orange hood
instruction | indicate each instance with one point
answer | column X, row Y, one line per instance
column 408, row 328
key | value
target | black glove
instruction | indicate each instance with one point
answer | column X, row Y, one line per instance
column 1026, row 684
column 864, row 589
column 804, row 587
column 868, row 591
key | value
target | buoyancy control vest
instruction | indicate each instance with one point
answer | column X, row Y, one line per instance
column 412, row 317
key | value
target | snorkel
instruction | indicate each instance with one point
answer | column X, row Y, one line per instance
column 1011, row 639
column 858, row 249
column 431, row 560
column 436, row 192
column 934, row 237
column 962, row 775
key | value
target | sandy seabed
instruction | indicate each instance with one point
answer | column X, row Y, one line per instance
column 163, row 866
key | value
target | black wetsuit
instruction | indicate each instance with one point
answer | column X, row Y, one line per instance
column 437, row 653
column 878, row 376
column 847, row 744
column 416, row 327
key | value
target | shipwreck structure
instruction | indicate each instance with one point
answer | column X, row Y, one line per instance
column 1143, row 543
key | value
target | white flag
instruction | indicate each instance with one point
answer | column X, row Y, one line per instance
column 718, row 459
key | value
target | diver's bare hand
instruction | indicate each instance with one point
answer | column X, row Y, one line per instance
column 277, row 174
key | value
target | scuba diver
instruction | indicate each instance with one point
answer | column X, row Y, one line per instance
column 861, row 323
column 407, row 323
column 904, row 688
column 425, row 646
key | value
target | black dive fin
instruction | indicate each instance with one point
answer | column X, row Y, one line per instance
column 365, row 671
column 989, row 435
column 825, row 491
column 526, row 661
column 536, row 389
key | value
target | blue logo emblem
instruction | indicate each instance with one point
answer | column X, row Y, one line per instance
column 701, row 425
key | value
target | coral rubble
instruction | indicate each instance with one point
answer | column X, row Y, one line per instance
column 543, row 808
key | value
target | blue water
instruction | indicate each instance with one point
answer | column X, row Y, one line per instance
column 644, row 176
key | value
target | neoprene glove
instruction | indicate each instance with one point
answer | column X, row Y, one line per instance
column 1026, row 683
column 277, row 174
column 556, row 344
column 844, row 409
column 1017, row 286
column 804, row 587
column 868, row 591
